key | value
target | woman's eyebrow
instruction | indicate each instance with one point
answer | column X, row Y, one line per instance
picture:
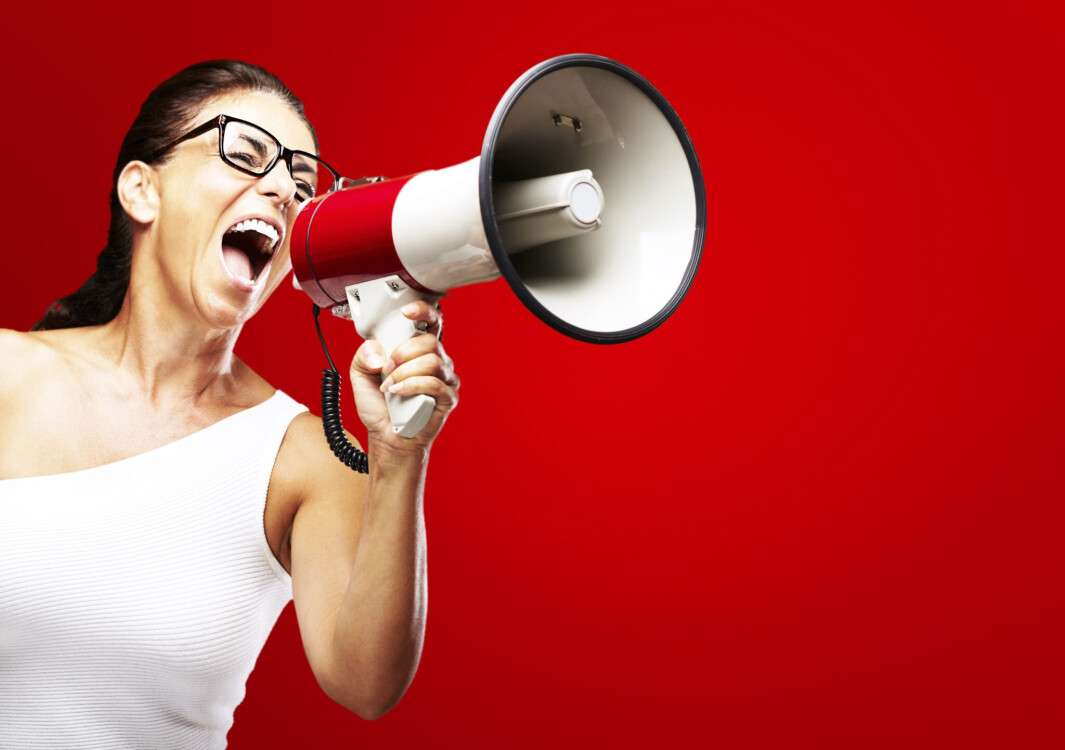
column 258, row 145
column 302, row 166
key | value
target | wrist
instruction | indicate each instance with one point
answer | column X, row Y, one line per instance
column 384, row 453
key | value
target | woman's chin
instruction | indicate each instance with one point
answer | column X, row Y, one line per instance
column 225, row 309
column 229, row 301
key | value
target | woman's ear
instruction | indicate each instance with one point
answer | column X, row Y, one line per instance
column 138, row 193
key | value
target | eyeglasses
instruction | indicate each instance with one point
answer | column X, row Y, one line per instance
column 249, row 149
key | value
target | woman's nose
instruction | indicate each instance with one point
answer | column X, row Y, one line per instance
column 278, row 183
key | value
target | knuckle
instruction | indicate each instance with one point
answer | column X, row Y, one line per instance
column 405, row 352
column 427, row 341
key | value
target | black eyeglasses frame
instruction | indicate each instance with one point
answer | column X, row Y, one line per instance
column 283, row 152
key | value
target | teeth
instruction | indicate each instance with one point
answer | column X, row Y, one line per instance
column 257, row 225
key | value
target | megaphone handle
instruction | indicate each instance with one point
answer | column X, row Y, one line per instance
column 376, row 311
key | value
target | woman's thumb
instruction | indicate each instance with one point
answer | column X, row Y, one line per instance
column 369, row 359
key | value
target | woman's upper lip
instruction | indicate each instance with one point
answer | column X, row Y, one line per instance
column 278, row 226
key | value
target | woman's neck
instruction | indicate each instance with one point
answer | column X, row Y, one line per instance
column 170, row 357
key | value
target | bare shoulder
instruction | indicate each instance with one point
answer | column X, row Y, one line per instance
column 23, row 357
column 306, row 465
column 17, row 345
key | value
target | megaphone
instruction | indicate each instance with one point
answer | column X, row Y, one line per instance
column 587, row 198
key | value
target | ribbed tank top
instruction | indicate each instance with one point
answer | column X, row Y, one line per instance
column 136, row 596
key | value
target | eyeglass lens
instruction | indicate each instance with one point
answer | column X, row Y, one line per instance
column 252, row 148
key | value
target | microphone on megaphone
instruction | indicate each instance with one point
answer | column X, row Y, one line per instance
column 587, row 197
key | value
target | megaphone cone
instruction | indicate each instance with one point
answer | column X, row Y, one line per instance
column 587, row 198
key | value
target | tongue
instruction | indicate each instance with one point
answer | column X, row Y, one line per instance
column 237, row 262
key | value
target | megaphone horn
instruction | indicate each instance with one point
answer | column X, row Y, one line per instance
column 587, row 198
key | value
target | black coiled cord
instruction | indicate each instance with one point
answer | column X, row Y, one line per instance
column 342, row 448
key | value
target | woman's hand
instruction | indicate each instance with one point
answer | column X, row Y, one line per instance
column 418, row 365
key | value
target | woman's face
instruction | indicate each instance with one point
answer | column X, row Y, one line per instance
column 218, row 274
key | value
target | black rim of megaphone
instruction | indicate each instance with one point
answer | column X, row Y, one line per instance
column 491, row 227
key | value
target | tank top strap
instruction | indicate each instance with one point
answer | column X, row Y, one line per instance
column 270, row 423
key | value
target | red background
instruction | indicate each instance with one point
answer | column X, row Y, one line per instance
column 819, row 507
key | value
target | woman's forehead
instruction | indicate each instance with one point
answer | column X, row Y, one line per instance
column 268, row 111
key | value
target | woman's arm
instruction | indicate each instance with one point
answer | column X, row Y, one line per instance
column 381, row 622
column 358, row 551
column 359, row 576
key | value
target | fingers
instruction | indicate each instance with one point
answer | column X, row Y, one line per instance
column 420, row 356
column 446, row 396
column 413, row 348
column 369, row 359
column 430, row 364
column 428, row 315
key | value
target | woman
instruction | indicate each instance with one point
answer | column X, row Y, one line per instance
column 160, row 502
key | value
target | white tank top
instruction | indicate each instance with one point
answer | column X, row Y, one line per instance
column 136, row 596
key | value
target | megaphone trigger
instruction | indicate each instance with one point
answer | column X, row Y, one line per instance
column 376, row 309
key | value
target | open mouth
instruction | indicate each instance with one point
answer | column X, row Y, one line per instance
column 247, row 248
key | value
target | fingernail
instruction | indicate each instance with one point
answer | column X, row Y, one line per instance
column 374, row 361
column 386, row 384
column 394, row 388
column 409, row 309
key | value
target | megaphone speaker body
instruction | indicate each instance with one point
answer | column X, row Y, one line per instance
column 587, row 198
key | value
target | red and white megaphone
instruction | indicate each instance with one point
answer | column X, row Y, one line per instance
column 587, row 198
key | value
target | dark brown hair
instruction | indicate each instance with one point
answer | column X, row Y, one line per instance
column 164, row 115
